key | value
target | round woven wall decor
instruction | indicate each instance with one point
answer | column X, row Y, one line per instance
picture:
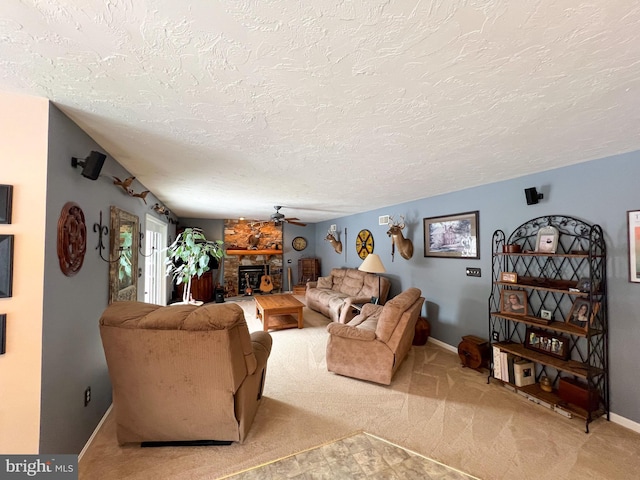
column 72, row 239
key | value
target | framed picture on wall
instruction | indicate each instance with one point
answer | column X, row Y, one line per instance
column 6, row 195
column 6, row 265
column 452, row 236
column 633, row 227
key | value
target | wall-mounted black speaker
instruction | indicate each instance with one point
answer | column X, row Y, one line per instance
column 91, row 166
column 532, row 195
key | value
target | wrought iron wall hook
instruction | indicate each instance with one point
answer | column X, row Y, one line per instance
column 103, row 231
column 153, row 248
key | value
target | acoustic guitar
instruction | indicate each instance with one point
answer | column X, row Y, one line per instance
column 266, row 284
column 247, row 290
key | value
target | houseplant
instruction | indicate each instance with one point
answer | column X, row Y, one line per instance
column 189, row 256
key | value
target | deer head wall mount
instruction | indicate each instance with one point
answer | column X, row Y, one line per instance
column 332, row 238
column 405, row 245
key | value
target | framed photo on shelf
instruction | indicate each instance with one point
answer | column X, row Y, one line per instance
column 547, row 240
column 6, row 195
column 509, row 277
column 581, row 315
column 633, row 227
column 546, row 314
column 513, row 302
column 452, row 236
column 553, row 344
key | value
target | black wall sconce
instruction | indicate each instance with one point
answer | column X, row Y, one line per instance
column 103, row 231
column 91, row 166
column 153, row 248
column 532, row 195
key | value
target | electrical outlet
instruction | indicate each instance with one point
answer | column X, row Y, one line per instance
column 87, row 396
column 495, row 336
column 473, row 272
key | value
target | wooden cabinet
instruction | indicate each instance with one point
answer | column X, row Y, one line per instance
column 308, row 270
column 556, row 283
column 201, row 288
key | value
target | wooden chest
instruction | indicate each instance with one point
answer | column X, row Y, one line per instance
column 577, row 393
column 299, row 289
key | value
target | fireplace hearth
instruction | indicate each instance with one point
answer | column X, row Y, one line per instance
column 253, row 273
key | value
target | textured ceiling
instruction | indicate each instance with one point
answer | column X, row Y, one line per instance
column 227, row 108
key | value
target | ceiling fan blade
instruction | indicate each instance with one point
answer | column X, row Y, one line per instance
column 292, row 218
column 288, row 220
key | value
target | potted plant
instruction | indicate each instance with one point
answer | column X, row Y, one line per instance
column 188, row 256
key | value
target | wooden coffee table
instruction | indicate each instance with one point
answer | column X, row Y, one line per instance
column 277, row 311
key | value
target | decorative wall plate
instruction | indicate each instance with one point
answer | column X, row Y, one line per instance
column 364, row 243
column 72, row 239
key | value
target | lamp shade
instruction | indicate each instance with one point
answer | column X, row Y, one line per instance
column 372, row 264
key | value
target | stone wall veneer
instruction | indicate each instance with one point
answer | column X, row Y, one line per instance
column 251, row 235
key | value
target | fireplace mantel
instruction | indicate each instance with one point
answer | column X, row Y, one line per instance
column 254, row 252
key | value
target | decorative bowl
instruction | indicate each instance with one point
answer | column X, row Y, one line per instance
column 511, row 248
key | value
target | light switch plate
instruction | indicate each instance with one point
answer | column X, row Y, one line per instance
column 473, row 272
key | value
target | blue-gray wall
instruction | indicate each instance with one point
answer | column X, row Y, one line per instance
column 72, row 355
column 600, row 191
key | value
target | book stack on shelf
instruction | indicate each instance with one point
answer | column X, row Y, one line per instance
column 513, row 369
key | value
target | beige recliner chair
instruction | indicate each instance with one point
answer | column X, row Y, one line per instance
column 183, row 373
column 373, row 345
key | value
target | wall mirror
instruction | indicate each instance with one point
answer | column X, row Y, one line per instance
column 123, row 256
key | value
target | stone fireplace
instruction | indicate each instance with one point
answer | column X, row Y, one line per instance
column 252, row 247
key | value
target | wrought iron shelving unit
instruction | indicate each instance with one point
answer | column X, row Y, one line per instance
column 550, row 280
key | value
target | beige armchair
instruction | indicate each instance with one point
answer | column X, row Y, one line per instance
column 183, row 373
column 373, row 345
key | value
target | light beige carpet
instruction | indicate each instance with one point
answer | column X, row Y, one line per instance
column 358, row 456
column 433, row 407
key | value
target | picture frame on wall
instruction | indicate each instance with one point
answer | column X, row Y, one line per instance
column 633, row 228
column 3, row 333
column 6, row 197
column 452, row 236
column 6, row 265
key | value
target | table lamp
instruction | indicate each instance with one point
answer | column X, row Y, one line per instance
column 373, row 264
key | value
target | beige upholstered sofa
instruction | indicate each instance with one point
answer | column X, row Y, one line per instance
column 183, row 373
column 373, row 345
column 333, row 295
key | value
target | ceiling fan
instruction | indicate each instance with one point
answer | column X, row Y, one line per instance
column 279, row 218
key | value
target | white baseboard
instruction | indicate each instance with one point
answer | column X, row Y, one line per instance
column 625, row 422
column 443, row 345
column 615, row 418
column 95, row 432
